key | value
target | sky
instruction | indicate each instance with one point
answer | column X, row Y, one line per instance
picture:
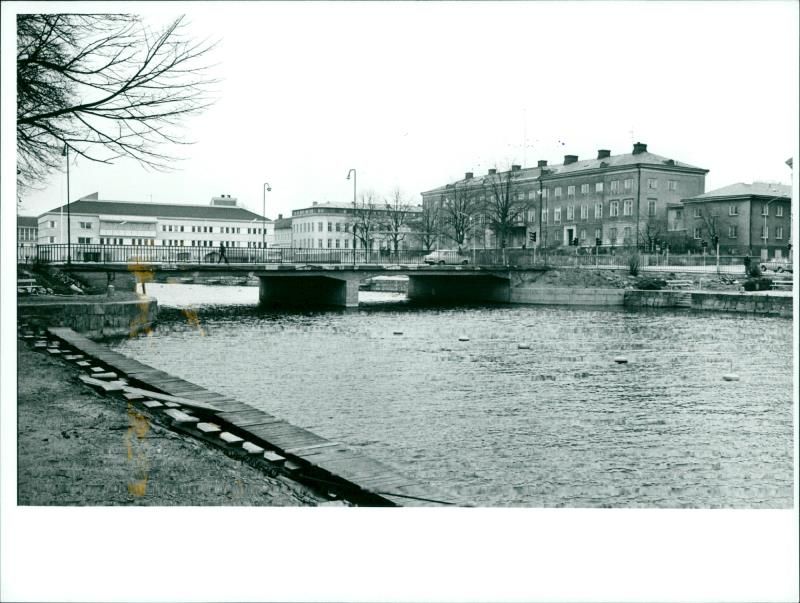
column 412, row 95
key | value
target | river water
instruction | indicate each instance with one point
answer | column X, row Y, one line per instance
column 559, row 424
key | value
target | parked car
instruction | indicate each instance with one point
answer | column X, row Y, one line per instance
column 777, row 265
column 446, row 256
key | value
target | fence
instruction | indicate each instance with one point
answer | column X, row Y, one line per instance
column 582, row 257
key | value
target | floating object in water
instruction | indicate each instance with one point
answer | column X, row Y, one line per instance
column 621, row 360
column 463, row 338
column 398, row 332
column 730, row 377
column 524, row 346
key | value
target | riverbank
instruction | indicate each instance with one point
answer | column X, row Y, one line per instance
column 76, row 447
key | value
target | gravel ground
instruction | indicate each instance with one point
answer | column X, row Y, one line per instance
column 76, row 447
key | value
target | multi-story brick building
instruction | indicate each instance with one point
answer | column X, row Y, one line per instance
column 330, row 226
column 95, row 221
column 749, row 219
column 619, row 199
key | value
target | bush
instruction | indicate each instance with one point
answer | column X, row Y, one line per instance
column 752, row 269
column 758, row 284
column 651, row 284
column 633, row 264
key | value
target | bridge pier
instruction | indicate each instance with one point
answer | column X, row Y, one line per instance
column 300, row 290
column 459, row 288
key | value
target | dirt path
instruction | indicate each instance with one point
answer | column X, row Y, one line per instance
column 76, row 447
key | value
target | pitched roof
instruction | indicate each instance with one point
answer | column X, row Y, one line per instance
column 159, row 210
column 742, row 189
column 614, row 161
column 337, row 205
column 28, row 221
column 283, row 223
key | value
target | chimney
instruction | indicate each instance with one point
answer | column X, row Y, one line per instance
column 541, row 163
column 468, row 176
column 639, row 147
column 314, row 204
column 280, row 216
column 603, row 153
column 570, row 159
column 492, row 171
column 516, row 168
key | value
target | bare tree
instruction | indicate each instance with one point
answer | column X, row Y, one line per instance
column 651, row 232
column 504, row 207
column 460, row 206
column 397, row 217
column 366, row 219
column 427, row 225
column 106, row 87
column 709, row 218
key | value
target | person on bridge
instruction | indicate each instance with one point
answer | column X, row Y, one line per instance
column 222, row 255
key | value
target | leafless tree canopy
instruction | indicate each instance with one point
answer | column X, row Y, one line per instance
column 428, row 225
column 460, row 207
column 504, row 206
column 397, row 218
column 366, row 219
column 105, row 86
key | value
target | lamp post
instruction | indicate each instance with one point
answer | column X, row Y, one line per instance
column 353, row 172
column 266, row 188
column 65, row 153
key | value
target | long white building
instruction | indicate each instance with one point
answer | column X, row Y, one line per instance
column 94, row 221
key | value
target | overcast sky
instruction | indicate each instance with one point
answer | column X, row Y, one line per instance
column 413, row 95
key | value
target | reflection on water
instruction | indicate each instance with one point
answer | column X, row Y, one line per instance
column 559, row 424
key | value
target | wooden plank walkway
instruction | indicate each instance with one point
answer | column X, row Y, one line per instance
column 261, row 428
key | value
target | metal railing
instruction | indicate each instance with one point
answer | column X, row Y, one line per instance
column 584, row 257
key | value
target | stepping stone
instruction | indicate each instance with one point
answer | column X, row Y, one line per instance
column 208, row 427
column 83, row 363
column 252, row 448
column 128, row 396
column 40, row 344
column 104, row 375
column 230, row 438
column 291, row 466
column 152, row 403
column 74, row 356
column 172, row 405
column 97, row 369
column 273, row 457
column 108, row 386
column 180, row 417
column 54, row 350
column 333, row 503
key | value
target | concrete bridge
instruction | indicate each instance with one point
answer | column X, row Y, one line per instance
column 289, row 285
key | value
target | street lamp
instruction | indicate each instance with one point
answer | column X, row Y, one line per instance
column 65, row 153
column 353, row 172
column 267, row 187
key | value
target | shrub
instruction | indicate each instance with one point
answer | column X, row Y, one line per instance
column 758, row 284
column 753, row 270
column 651, row 284
column 633, row 264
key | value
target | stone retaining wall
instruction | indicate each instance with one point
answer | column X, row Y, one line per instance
column 95, row 319
column 567, row 296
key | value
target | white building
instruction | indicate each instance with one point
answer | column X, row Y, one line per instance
column 94, row 221
column 330, row 226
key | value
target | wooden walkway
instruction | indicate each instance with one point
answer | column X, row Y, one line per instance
column 303, row 449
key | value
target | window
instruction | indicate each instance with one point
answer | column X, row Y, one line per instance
column 612, row 235
column 571, row 212
column 733, row 210
column 84, row 240
column 628, row 184
column 627, row 234
column 733, row 231
column 651, row 207
column 598, row 211
column 779, row 211
column 338, row 227
column 181, row 228
column 571, row 192
column 558, row 192
column 583, row 234
column 598, row 188
column 337, row 243
column 698, row 213
column 779, row 232
column 627, row 207
column 544, row 216
column 169, row 228
column 556, row 215
column 330, row 243
column 52, row 239
column 86, row 225
column 584, row 212
column 346, row 227
column 544, row 193
column 319, row 229
column 319, row 241
column 531, row 195
column 652, row 184
column 765, row 210
column 613, row 209
column 52, row 224
column 765, row 232
column 697, row 232
column 598, row 233
column 347, row 243
column 615, row 186
column 163, row 228
column 672, row 185
column 330, row 228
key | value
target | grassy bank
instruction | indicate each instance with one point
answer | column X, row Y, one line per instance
column 76, row 447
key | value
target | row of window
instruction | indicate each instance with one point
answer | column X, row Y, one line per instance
column 613, row 210
column 733, row 232
column 210, row 229
column 332, row 227
column 613, row 188
column 733, row 210
column 25, row 233
column 331, row 243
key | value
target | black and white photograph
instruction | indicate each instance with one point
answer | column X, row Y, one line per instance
column 399, row 301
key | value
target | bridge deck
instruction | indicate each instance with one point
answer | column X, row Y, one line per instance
column 294, row 443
